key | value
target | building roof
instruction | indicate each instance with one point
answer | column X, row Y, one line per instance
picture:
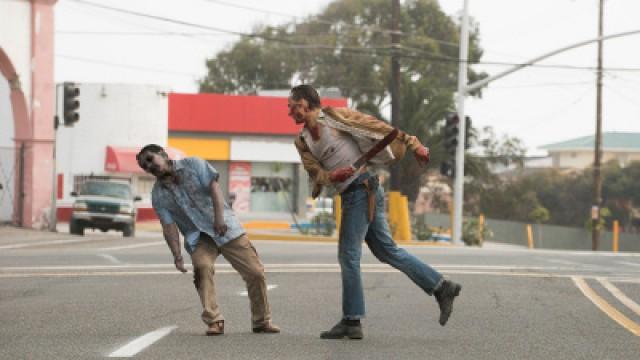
column 234, row 114
column 620, row 141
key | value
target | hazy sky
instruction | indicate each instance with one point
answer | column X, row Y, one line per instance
column 539, row 105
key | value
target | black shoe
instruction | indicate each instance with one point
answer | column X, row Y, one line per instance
column 445, row 296
column 341, row 330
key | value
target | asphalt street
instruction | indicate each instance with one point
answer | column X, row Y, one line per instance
column 98, row 296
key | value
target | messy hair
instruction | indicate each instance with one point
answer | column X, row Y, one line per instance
column 306, row 92
column 152, row 148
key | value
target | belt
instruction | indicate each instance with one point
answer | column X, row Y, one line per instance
column 357, row 183
column 370, row 183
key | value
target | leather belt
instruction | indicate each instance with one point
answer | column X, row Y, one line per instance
column 371, row 186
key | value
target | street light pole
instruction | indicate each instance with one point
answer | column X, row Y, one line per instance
column 464, row 89
column 458, row 187
column 597, row 175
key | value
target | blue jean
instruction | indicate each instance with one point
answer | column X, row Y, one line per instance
column 354, row 228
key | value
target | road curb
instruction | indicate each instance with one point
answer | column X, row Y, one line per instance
column 265, row 236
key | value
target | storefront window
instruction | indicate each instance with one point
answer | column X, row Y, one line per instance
column 272, row 187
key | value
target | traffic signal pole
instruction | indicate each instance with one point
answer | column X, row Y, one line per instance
column 458, row 182
column 53, row 214
column 464, row 89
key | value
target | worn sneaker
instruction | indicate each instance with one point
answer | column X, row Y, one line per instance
column 445, row 296
column 342, row 330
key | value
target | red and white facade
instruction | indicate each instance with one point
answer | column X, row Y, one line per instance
column 249, row 140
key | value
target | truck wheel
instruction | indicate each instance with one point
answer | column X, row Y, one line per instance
column 129, row 230
column 75, row 228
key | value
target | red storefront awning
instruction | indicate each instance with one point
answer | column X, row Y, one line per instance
column 123, row 159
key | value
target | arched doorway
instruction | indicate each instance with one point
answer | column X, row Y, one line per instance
column 15, row 125
column 7, row 154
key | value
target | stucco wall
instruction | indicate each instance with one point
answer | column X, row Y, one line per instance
column 119, row 115
column 15, row 33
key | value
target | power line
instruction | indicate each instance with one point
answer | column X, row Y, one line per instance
column 430, row 56
column 140, row 33
column 179, row 22
column 437, row 57
column 133, row 67
column 318, row 20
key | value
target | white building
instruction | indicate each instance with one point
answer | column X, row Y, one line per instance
column 116, row 120
column 578, row 153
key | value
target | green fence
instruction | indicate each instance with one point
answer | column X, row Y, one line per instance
column 545, row 236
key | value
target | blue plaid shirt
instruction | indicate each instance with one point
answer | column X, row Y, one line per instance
column 189, row 203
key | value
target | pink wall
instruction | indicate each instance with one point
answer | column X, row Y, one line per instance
column 38, row 182
column 34, row 126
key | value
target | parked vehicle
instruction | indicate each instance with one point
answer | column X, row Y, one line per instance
column 105, row 205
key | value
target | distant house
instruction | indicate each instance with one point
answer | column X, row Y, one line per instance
column 578, row 153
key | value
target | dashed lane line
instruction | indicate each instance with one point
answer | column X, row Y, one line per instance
column 620, row 295
column 133, row 246
column 628, row 263
column 41, row 243
column 605, row 307
column 269, row 287
column 110, row 258
column 113, row 271
column 295, row 266
column 142, row 342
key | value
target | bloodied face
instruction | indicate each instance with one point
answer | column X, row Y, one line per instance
column 299, row 110
column 156, row 164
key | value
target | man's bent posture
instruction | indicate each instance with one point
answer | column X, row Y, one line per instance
column 331, row 140
column 186, row 196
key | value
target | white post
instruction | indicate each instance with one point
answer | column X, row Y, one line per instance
column 458, row 187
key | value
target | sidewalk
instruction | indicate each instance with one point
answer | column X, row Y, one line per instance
column 255, row 232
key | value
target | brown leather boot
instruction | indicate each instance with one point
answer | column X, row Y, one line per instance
column 215, row 328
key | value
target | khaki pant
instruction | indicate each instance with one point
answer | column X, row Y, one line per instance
column 243, row 257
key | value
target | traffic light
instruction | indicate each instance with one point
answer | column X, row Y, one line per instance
column 448, row 168
column 451, row 133
column 467, row 132
column 71, row 103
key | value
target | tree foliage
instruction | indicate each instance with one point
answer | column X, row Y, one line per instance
column 566, row 197
column 348, row 46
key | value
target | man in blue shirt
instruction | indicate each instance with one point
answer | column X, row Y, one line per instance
column 187, row 198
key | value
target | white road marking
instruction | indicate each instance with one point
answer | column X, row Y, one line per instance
column 620, row 295
column 133, row 246
column 110, row 258
column 577, row 264
column 292, row 270
column 278, row 266
column 633, row 280
column 628, row 263
column 40, row 243
column 86, row 267
column 141, row 343
column 269, row 287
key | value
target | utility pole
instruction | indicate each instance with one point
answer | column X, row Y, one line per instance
column 597, row 176
column 395, row 84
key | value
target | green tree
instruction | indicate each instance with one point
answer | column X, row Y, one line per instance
column 347, row 46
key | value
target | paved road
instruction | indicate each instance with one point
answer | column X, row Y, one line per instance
column 65, row 297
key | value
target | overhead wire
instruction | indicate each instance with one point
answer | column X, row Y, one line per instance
column 429, row 56
column 133, row 67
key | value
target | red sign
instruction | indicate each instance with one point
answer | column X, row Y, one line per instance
column 240, row 184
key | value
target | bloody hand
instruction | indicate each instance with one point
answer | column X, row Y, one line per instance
column 341, row 174
column 422, row 155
